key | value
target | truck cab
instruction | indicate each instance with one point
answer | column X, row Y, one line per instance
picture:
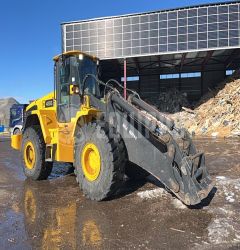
column 16, row 118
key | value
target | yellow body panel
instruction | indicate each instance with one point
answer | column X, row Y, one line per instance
column 48, row 121
column 65, row 142
column 16, row 141
column 65, row 134
column 40, row 103
column 61, row 135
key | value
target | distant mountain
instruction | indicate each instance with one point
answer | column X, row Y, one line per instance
column 5, row 105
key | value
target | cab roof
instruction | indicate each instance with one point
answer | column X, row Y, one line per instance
column 74, row 52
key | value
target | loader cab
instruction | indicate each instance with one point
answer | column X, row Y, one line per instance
column 71, row 69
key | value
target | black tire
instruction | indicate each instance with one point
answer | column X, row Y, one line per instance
column 113, row 160
column 135, row 172
column 41, row 169
column 16, row 131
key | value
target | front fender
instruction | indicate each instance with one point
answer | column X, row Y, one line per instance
column 16, row 141
column 84, row 116
column 47, row 121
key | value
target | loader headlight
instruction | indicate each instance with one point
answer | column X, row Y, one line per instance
column 49, row 103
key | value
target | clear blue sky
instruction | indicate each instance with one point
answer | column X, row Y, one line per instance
column 30, row 37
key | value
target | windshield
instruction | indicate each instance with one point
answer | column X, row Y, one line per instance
column 13, row 112
column 88, row 66
column 73, row 71
column 64, row 78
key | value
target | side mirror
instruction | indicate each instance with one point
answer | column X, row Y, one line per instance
column 74, row 89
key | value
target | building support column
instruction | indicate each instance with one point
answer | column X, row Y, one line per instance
column 203, row 68
column 180, row 81
column 159, row 84
column 139, row 86
column 202, row 81
column 125, row 78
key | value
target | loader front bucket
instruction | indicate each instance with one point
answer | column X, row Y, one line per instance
column 193, row 178
column 182, row 172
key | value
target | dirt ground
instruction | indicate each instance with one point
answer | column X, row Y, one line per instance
column 53, row 214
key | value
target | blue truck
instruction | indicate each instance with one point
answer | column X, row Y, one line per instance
column 16, row 118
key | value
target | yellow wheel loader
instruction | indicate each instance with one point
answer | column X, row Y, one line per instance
column 88, row 123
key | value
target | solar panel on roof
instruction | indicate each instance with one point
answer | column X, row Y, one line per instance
column 197, row 28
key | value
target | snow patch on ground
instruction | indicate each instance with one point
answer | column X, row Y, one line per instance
column 219, row 230
column 160, row 192
column 150, row 194
column 224, row 211
column 225, row 226
column 237, row 186
column 178, row 204
column 229, row 187
column 224, row 230
column 221, row 178
column 230, row 197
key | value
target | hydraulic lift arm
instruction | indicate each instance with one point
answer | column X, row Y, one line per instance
column 181, row 169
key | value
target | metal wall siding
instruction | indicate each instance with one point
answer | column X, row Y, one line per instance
column 197, row 28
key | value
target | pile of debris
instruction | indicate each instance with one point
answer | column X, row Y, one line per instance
column 170, row 101
column 217, row 113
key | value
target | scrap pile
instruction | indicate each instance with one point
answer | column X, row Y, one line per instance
column 217, row 113
column 171, row 101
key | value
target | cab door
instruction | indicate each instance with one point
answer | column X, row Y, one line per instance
column 62, row 77
column 67, row 106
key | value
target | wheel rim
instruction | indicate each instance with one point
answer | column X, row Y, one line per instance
column 91, row 161
column 29, row 155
